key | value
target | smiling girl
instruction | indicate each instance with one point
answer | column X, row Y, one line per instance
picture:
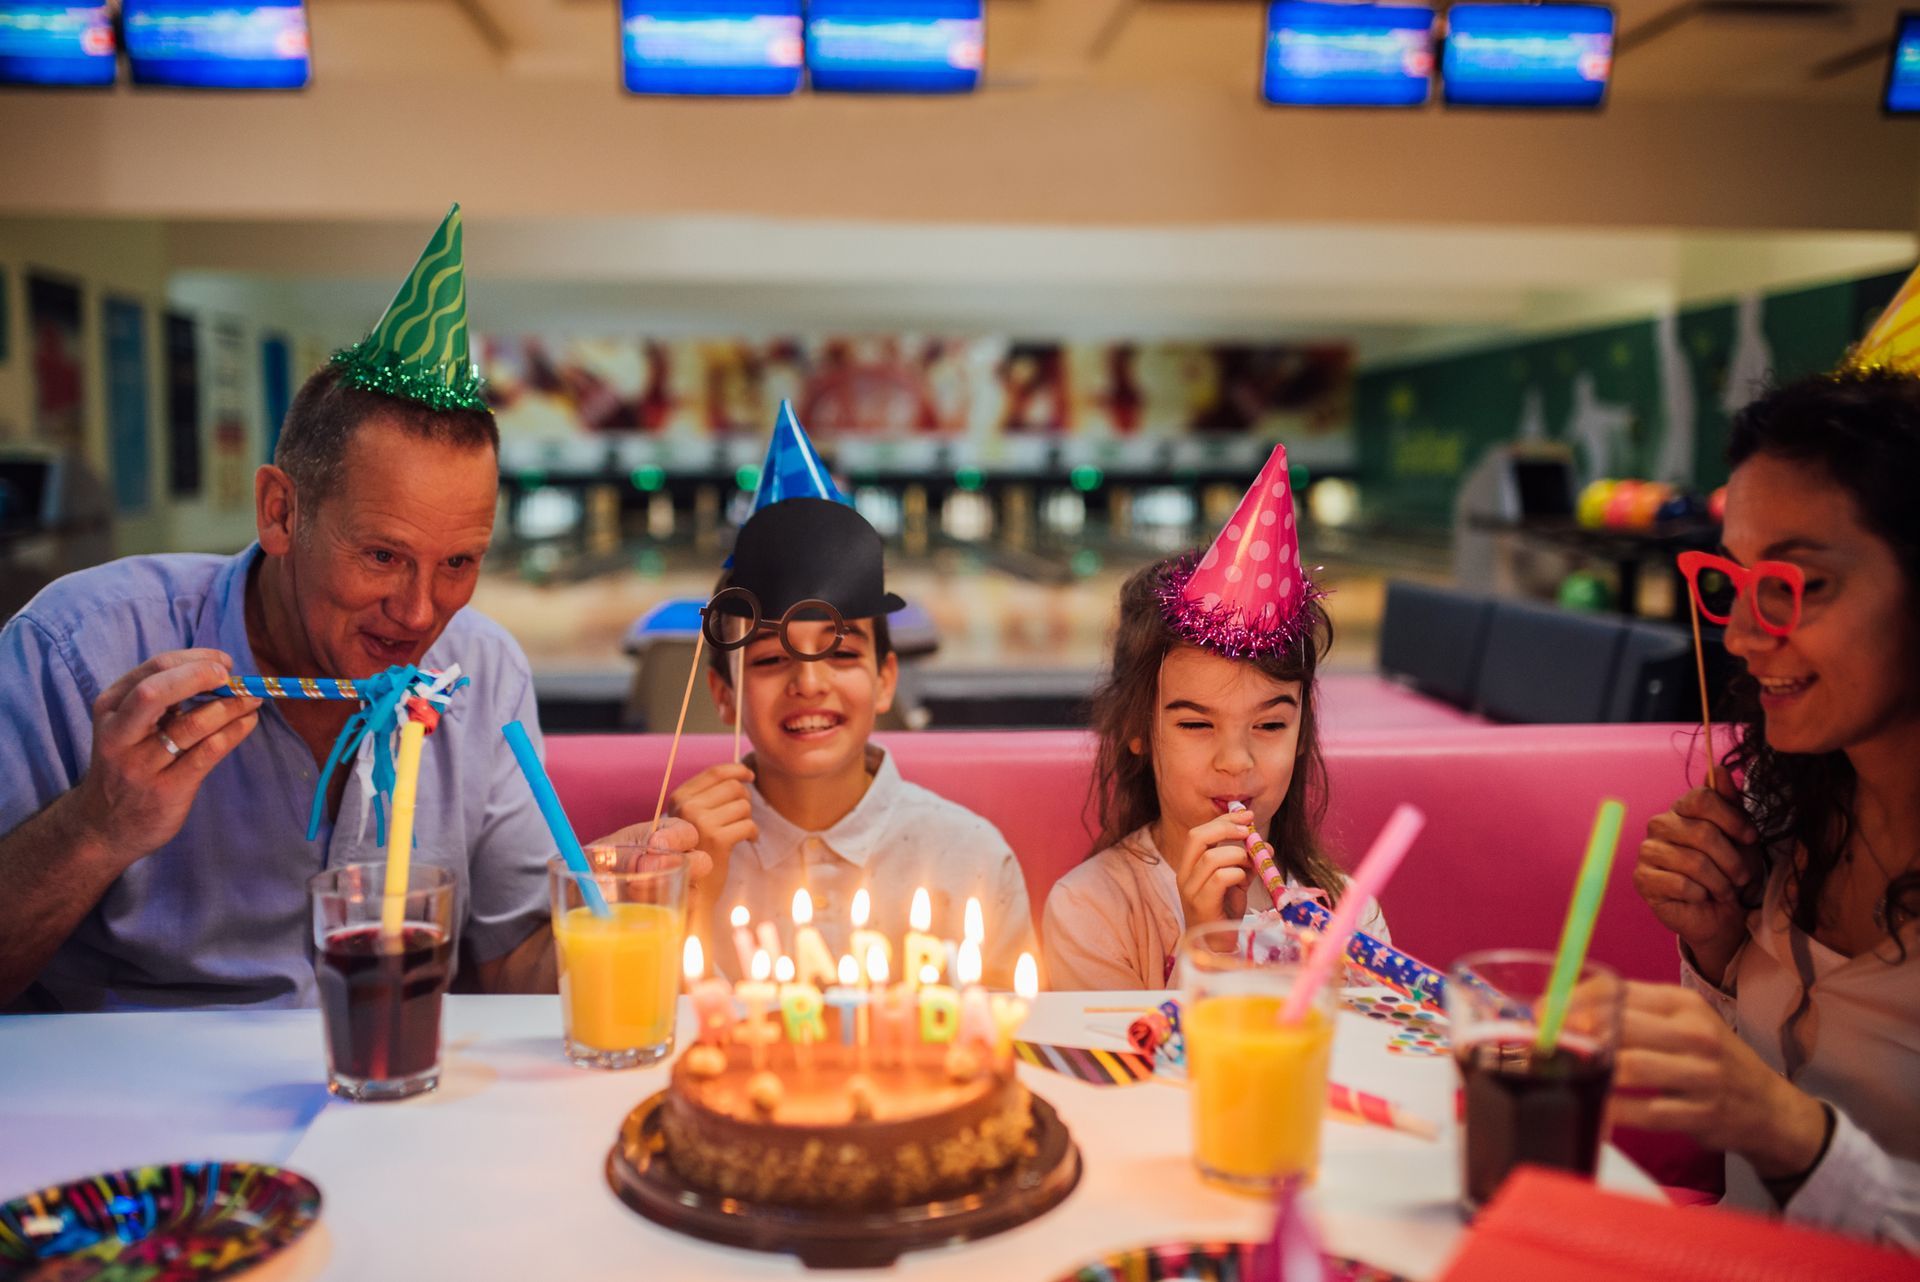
column 1209, row 702
column 1794, row 1044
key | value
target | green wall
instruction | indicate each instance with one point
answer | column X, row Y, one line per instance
column 1423, row 425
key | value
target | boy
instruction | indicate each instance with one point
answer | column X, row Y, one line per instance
column 816, row 804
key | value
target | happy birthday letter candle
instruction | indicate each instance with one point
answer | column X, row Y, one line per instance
column 742, row 939
column 921, row 950
column 811, row 956
column 712, row 996
column 758, row 994
column 976, row 1014
column 800, row 1012
column 847, row 997
column 864, row 941
column 939, row 1009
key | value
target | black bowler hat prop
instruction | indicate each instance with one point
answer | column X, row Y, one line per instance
column 809, row 550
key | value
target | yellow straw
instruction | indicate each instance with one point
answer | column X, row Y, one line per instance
column 393, row 909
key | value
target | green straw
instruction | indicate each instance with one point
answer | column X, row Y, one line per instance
column 1578, row 932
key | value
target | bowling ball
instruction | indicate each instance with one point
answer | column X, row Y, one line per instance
column 1717, row 504
column 1647, row 502
column 1591, row 510
column 1586, row 592
column 1681, row 507
column 1621, row 505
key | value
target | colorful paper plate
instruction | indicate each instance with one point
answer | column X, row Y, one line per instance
column 181, row 1223
column 1205, row 1262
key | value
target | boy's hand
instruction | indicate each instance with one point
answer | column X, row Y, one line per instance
column 716, row 803
column 1214, row 867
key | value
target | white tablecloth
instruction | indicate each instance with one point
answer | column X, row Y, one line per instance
column 499, row 1173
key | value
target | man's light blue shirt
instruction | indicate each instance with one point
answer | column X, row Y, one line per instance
column 218, row 916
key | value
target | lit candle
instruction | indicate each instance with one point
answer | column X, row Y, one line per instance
column 800, row 1012
column 847, row 997
column 811, row 956
column 768, row 937
column 742, row 940
column 1010, row 1012
column 939, row 1008
column 865, row 941
column 976, row 1015
column 976, row 923
column 712, row 996
column 921, row 950
column 892, row 1011
column 759, row 996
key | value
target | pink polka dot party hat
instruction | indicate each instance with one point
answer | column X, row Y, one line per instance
column 1248, row 595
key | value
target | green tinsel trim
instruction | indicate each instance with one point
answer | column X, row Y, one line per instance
column 375, row 369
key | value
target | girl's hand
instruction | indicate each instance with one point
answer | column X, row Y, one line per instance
column 1680, row 1068
column 1696, row 864
column 1214, row 866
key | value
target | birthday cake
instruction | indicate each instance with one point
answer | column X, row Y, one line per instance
column 929, row 1122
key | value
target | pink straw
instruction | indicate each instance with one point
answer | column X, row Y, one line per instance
column 1389, row 848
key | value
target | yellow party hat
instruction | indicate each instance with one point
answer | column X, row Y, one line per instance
column 1894, row 341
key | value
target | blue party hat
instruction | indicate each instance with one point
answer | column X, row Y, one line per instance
column 792, row 469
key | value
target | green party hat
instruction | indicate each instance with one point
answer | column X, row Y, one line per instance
column 418, row 351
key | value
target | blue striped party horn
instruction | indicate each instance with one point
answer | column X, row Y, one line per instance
column 291, row 688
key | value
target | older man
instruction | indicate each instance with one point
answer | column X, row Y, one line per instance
column 156, row 849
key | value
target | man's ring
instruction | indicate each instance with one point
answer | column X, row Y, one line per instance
column 173, row 749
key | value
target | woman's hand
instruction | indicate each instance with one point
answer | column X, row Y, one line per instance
column 1694, row 867
column 1680, row 1068
column 1214, row 866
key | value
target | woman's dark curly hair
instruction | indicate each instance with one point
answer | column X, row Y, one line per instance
column 1125, row 795
column 1863, row 431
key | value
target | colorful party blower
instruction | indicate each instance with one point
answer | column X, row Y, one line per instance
column 1248, row 595
column 1578, row 931
column 1389, row 848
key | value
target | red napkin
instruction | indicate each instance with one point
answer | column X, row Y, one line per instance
column 1545, row 1224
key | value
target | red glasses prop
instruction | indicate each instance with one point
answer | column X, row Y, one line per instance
column 1773, row 589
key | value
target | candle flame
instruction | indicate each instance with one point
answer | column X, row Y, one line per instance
column 1026, row 977
column 876, row 965
column 921, row 916
column 929, row 974
column 976, row 921
column 762, row 966
column 739, row 917
column 802, row 907
column 966, row 967
column 693, row 959
column 862, row 905
column 783, row 969
column 849, row 970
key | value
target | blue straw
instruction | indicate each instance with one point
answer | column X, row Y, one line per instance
column 549, row 803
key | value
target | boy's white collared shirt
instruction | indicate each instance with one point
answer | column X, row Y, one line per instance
column 900, row 837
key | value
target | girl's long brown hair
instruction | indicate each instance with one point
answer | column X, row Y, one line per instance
column 1125, row 795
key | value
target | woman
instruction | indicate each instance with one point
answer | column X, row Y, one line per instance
column 1794, row 1041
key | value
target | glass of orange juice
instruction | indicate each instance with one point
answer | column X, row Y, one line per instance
column 619, row 973
column 1259, row 1087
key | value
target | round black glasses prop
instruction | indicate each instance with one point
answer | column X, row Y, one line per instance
column 714, row 623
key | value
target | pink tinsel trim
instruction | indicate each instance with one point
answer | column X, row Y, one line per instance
column 1224, row 629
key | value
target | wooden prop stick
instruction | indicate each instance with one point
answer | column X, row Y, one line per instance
column 673, row 749
column 1706, row 715
column 739, row 697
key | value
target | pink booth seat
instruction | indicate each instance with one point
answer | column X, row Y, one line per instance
column 1508, row 811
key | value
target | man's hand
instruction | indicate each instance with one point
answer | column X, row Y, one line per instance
column 137, row 790
column 672, row 837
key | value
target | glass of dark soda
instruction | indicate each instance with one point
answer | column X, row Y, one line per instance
column 380, row 988
column 1526, row 1103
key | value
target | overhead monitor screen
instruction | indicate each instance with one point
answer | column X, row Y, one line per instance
column 1348, row 55
column 723, row 48
column 206, row 44
column 895, row 46
column 55, row 44
column 1527, row 55
column 1903, row 74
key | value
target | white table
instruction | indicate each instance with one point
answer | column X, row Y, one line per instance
column 499, row 1173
